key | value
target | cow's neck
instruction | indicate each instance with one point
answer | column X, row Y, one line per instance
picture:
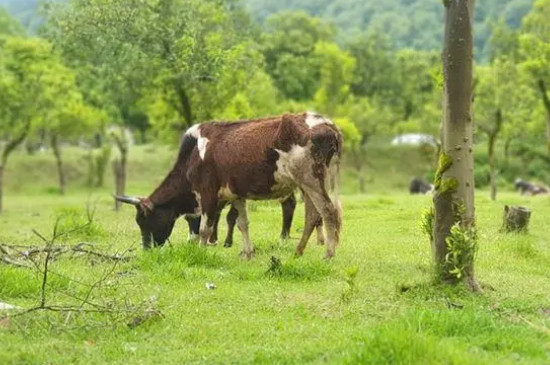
column 172, row 191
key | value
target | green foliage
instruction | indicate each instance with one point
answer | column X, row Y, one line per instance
column 427, row 222
column 350, row 277
column 461, row 247
column 405, row 22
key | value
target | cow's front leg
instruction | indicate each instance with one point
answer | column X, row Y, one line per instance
column 312, row 220
column 288, row 206
column 231, row 221
column 242, row 224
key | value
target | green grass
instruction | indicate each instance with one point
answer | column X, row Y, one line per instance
column 304, row 312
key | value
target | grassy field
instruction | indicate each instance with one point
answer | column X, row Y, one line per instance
column 304, row 311
column 374, row 303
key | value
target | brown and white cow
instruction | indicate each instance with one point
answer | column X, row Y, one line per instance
column 257, row 159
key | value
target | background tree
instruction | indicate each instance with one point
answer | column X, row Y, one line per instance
column 25, row 64
column 535, row 42
column 454, row 222
column 499, row 91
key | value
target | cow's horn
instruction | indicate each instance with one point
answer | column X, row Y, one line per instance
column 127, row 199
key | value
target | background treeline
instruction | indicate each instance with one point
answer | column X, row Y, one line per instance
column 96, row 70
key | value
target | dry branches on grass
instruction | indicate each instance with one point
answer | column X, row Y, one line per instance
column 91, row 300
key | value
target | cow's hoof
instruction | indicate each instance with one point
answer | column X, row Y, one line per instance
column 329, row 255
column 247, row 255
column 228, row 244
column 298, row 253
column 215, row 243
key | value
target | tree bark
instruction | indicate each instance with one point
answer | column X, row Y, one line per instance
column 492, row 139
column 11, row 145
column 185, row 104
column 507, row 148
column 454, row 181
column 1, row 187
column 119, row 166
column 546, row 102
column 516, row 219
column 54, row 142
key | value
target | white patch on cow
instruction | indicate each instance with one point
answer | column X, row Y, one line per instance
column 201, row 145
column 198, row 199
column 313, row 119
column 290, row 166
column 226, row 194
column 194, row 131
column 192, row 237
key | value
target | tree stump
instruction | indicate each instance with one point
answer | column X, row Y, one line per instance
column 516, row 218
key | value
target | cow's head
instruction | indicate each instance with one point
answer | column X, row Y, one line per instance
column 155, row 223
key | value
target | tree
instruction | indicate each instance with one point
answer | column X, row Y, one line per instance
column 494, row 97
column 453, row 236
column 289, row 44
column 24, row 65
column 535, row 42
column 336, row 73
column 8, row 25
column 66, row 116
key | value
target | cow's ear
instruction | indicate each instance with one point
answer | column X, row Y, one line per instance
column 146, row 206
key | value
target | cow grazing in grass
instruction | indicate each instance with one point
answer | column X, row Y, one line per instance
column 259, row 159
column 526, row 187
column 419, row 186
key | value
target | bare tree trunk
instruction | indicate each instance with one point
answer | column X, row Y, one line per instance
column 454, row 181
column 546, row 102
column 507, row 148
column 11, row 145
column 492, row 167
column 119, row 166
column 1, row 187
column 492, row 140
column 54, row 142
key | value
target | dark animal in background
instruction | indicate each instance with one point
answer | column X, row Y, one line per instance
column 526, row 187
column 419, row 186
column 259, row 159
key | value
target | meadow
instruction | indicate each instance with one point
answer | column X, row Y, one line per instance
column 375, row 302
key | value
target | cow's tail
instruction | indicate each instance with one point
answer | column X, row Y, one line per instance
column 334, row 177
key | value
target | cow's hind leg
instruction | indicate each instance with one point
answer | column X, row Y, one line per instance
column 242, row 224
column 194, row 227
column 288, row 206
column 313, row 219
column 231, row 221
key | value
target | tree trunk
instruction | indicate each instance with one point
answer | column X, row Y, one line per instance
column 185, row 105
column 546, row 102
column 10, row 146
column 54, row 142
column 119, row 166
column 492, row 167
column 492, row 139
column 516, row 219
column 454, row 180
column 507, row 148
column 1, row 187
